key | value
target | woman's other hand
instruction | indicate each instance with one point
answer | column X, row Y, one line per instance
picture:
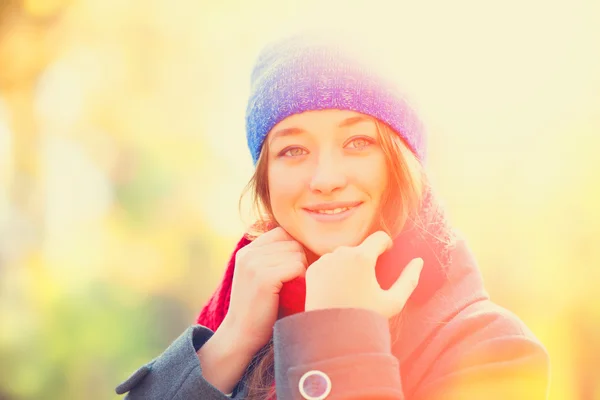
column 261, row 269
column 345, row 278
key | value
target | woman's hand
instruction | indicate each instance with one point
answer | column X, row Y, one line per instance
column 346, row 278
column 261, row 268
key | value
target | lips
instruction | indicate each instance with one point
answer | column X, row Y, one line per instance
column 332, row 212
column 332, row 207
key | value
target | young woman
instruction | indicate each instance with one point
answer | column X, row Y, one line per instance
column 351, row 285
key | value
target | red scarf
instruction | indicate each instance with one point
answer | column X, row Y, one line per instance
column 432, row 242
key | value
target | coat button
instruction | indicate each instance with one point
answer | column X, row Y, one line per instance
column 314, row 385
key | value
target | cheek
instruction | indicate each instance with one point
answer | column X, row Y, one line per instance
column 285, row 187
column 380, row 185
column 373, row 176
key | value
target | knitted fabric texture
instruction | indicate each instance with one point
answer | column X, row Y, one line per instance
column 305, row 73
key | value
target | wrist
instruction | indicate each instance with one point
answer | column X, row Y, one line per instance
column 229, row 343
column 222, row 363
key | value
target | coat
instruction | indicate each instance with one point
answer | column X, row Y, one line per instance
column 453, row 344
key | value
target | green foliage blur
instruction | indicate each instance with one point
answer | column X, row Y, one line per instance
column 123, row 157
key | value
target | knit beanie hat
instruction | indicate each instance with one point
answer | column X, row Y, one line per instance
column 314, row 72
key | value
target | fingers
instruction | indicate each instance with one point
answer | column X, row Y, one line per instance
column 277, row 271
column 277, row 259
column 399, row 293
column 290, row 271
column 286, row 246
column 376, row 244
column 274, row 235
column 277, row 241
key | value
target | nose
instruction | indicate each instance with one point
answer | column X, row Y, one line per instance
column 328, row 176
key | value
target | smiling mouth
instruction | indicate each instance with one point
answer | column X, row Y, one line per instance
column 333, row 207
column 332, row 212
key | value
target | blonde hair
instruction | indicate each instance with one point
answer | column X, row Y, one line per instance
column 400, row 203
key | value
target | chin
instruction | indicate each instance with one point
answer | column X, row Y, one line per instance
column 324, row 244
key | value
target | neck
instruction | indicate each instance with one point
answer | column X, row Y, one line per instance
column 310, row 256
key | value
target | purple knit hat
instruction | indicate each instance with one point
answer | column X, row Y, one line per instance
column 308, row 72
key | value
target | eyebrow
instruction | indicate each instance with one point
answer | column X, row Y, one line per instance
column 286, row 132
column 296, row 131
column 352, row 121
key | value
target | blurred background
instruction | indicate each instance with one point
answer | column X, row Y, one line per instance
column 123, row 156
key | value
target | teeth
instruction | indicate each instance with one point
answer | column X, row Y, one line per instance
column 334, row 211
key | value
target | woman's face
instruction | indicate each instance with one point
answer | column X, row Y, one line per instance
column 327, row 174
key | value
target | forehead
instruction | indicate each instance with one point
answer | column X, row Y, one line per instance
column 318, row 119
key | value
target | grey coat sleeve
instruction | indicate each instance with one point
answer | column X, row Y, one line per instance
column 483, row 352
column 176, row 374
column 351, row 346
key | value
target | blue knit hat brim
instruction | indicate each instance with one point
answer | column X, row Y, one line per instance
column 296, row 76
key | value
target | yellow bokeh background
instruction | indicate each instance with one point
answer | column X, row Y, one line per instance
column 123, row 156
